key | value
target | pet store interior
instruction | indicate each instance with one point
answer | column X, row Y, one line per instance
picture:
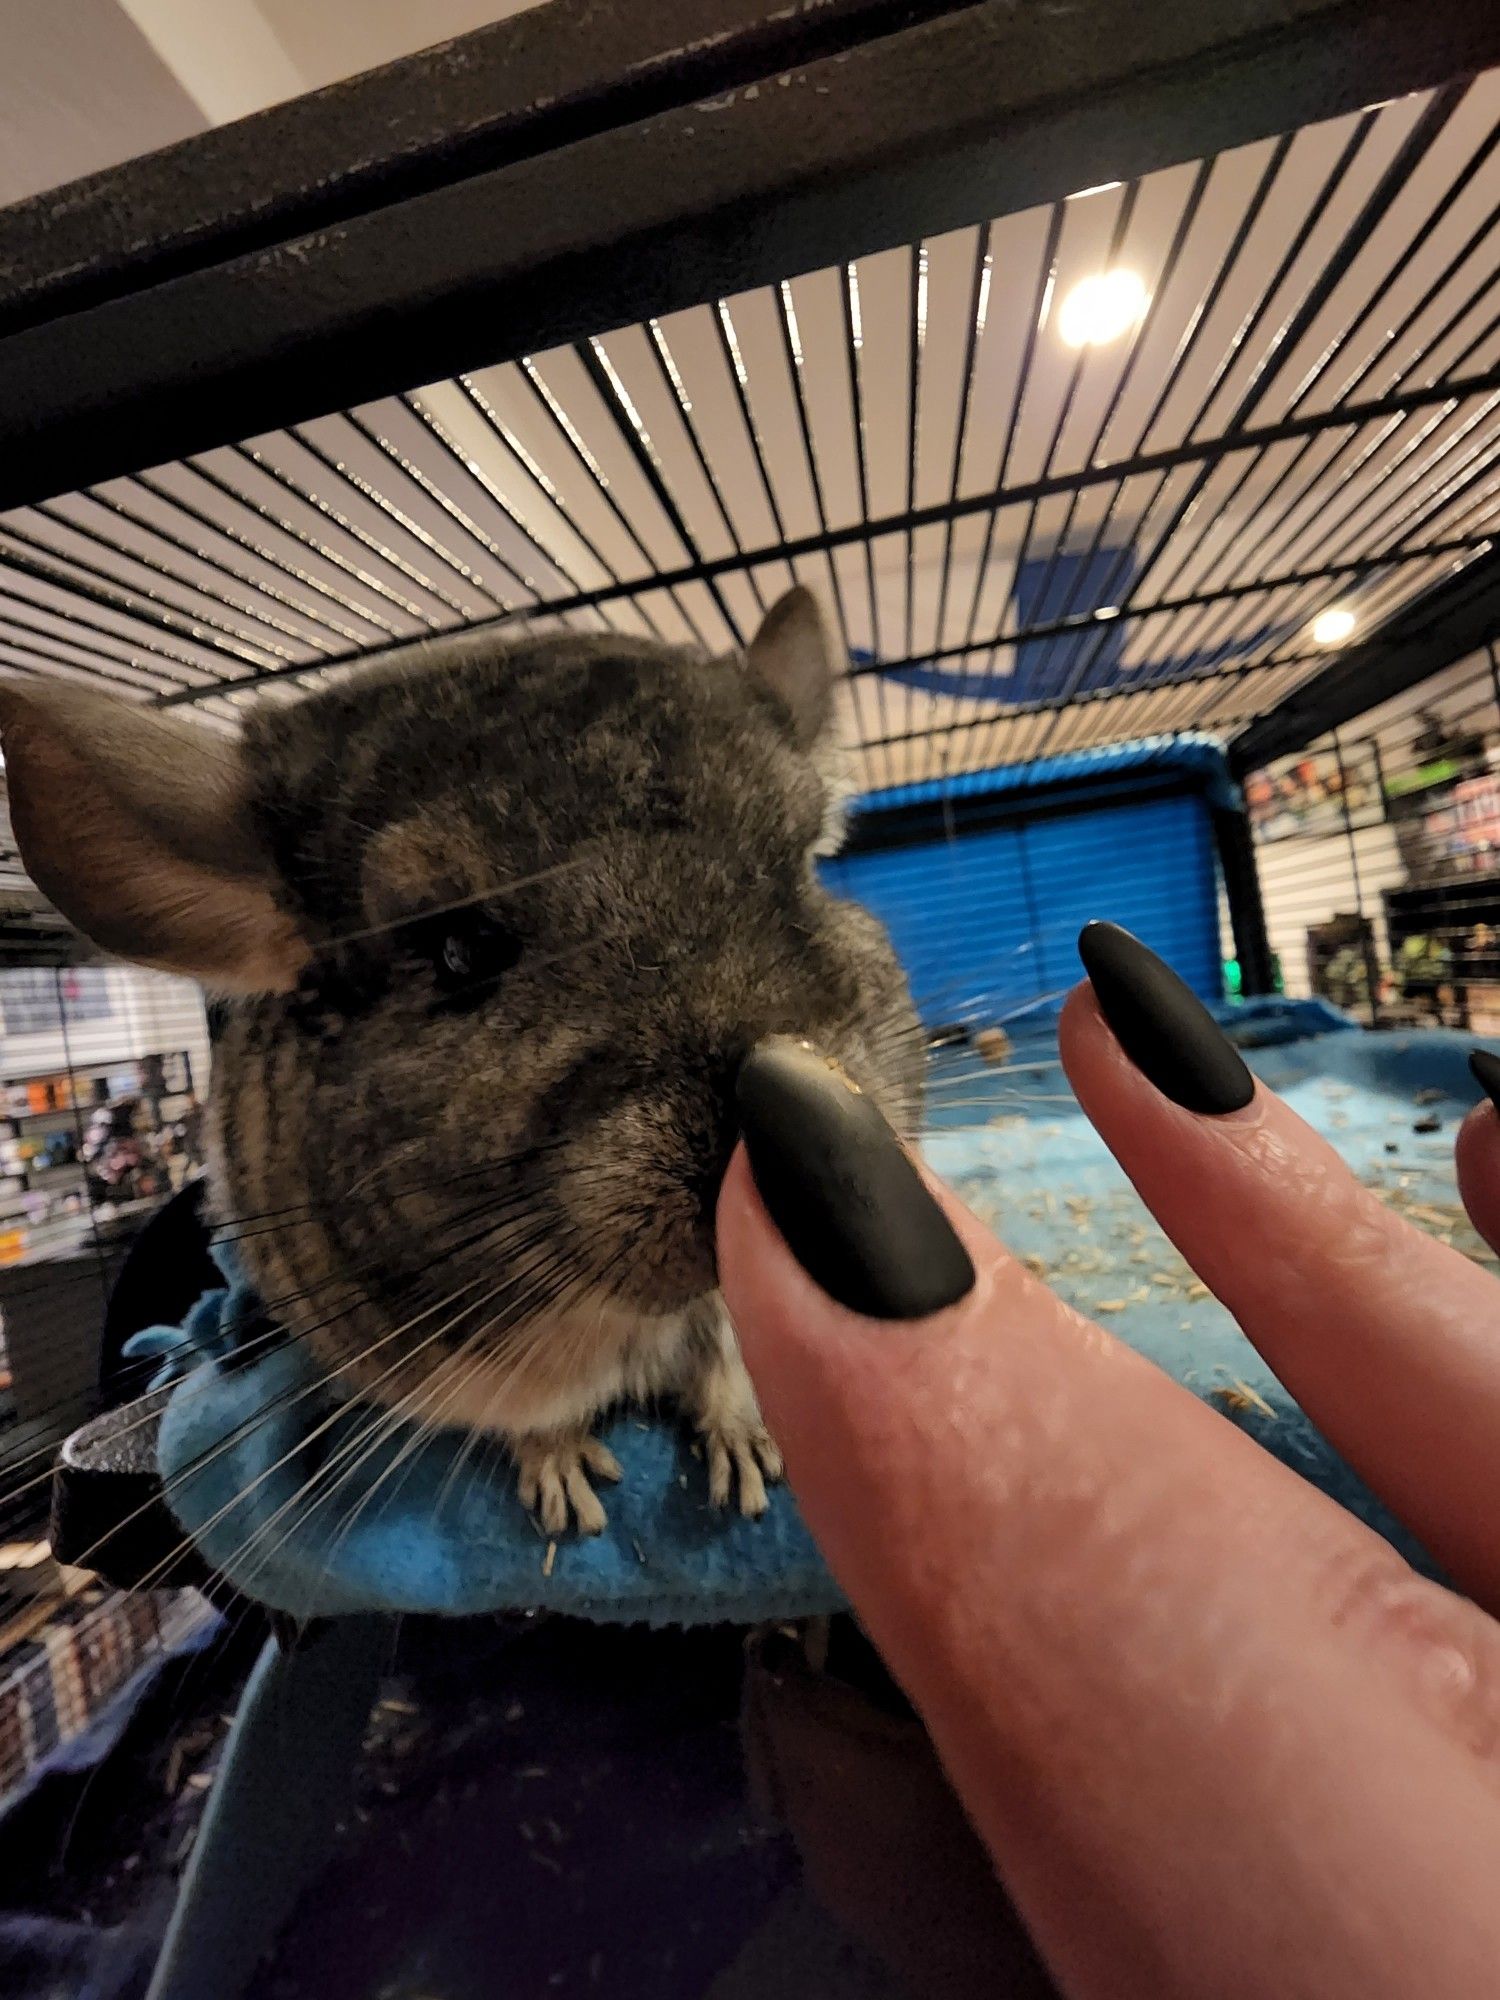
column 1127, row 389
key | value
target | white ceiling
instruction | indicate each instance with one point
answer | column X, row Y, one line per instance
column 86, row 84
column 330, row 39
column 80, row 90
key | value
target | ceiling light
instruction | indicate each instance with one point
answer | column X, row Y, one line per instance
column 1333, row 627
column 1108, row 611
column 1101, row 308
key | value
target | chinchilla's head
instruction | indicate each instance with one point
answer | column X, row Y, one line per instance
column 498, row 923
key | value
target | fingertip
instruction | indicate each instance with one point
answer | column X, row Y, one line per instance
column 1476, row 1156
column 1101, row 1073
column 739, row 1207
column 793, row 1336
column 1481, row 1126
column 1484, row 1067
column 768, row 1291
column 1477, row 1146
column 844, row 1194
column 751, row 1254
column 1083, row 1042
column 1074, row 1021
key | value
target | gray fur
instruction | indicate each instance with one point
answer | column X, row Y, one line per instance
column 495, row 1207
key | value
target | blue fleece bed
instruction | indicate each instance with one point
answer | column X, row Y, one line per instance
column 254, row 1452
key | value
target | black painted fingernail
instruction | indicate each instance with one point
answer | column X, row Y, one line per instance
column 1162, row 1025
column 1486, row 1073
column 853, row 1209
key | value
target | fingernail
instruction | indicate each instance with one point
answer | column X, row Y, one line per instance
column 852, row 1208
column 1486, row 1072
column 1162, row 1025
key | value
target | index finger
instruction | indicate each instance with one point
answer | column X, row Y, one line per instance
column 1477, row 1153
column 1388, row 1339
column 1175, row 1687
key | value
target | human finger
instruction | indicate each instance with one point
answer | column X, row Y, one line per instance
column 1388, row 1339
column 1176, row 1688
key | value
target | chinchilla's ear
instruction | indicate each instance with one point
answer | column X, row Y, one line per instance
column 136, row 824
column 794, row 658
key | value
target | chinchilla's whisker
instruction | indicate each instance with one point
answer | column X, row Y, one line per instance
column 547, row 1293
column 992, row 1094
column 284, row 1400
column 473, row 1437
column 425, row 912
column 495, row 1163
column 959, row 1001
column 272, row 1337
column 46, row 1454
column 391, row 1420
column 582, row 1335
column 971, row 1066
column 1000, row 1099
column 467, row 1367
column 1024, row 1007
column 495, row 1215
column 337, row 1469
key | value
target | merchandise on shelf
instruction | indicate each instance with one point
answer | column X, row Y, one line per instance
column 102, row 1137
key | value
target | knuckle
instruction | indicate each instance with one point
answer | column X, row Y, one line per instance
column 1444, row 1650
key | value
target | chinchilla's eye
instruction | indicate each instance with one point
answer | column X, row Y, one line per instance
column 470, row 952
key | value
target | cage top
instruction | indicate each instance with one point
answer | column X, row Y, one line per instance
column 1145, row 458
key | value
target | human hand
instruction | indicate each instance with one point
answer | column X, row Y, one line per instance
column 1217, row 1736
